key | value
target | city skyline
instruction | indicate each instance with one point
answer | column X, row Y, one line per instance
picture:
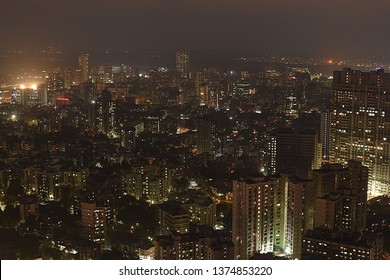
column 240, row 164
column 194, row 130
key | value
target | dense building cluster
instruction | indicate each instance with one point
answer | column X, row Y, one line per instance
column 113, row 162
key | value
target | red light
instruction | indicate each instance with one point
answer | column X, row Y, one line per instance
column 62, row 99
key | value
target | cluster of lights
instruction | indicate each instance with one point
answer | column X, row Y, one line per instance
column 32, row 86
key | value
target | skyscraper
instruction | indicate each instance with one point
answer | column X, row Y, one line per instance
column 324, row 134
column 360, row 124
column 271, row 154
column 182, row 63
column 339, row 191
column 299, row 213
column 359, row 186
column 84, row 67
column 205, row 136
column 297, row 151
column 105, row 113
column 336, row 211
column 200, row 80
column 258, row 215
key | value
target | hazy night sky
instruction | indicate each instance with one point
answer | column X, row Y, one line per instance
column 280, row 26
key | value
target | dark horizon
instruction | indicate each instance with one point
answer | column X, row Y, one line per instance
column 313, row 28
column 224, row 61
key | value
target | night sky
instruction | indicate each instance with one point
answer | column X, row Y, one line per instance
column 280, row 26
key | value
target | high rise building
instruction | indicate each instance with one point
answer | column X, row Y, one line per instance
column 325, row 179
column 88, row 91
column 325, row 134
column 341, row 196
column 155, row 183
column 94, row 222
column 173, row 218
column 322, row 244
column 182, row 63
column 241, row 87
column 202, row 211
column 75, row 178
column 205, row 136
column 156, row 189
column 202, row 244
column 258, row 215
column 84, row 67
column 200, row 80
column 127, row 137
column 271, row 214
column 55, row 82
column 28, row 179
column 359, row 187
column 340, row 215
column 336, row 211
column 48, row 184
column 299, row 214
column 105, row 113
column 132, row 184
column 360, row 124
column 297, row 151
column 271, row 153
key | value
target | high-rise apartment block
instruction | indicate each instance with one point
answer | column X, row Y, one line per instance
column 360, row 124
column 271, row 154
column 205, row 136
column 341, row 196
column 322, row 244
column 299, row 214
column 48, row 184
column 271, row 215
column 202, row 244
column 94, row 222
column 84, row 67
column 105, row 113
column 201, row 208
column 156, row 189
column 295, row 151
column 132, row 184
column 325, row 134
column 174, row 218
column 182, row 63
column 202, row 212
column 259, row 215
column 336, row 211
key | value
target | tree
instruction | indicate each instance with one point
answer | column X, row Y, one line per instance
column 10, row 217
column 13, row 193
column 180, row 184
